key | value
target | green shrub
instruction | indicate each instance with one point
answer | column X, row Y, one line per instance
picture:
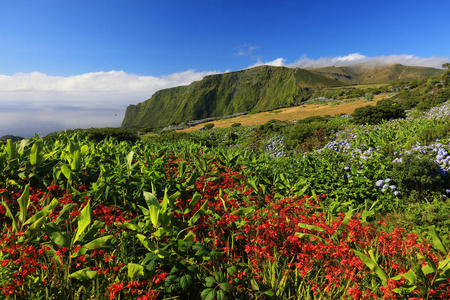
column 417, row 178
column 99, row 134
column 236, row 125
column 385, row 109
column 209, row 125
column 302, row 131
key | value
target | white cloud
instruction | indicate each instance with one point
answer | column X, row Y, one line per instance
column 357, row 58
column 279, row 62
column 36, row 102
column 117, row 86
column 245, row 49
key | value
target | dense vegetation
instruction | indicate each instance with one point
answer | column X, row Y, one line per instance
column 322, row 208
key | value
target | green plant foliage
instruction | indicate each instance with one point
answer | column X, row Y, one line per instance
column 384, row 110
column 417, row 177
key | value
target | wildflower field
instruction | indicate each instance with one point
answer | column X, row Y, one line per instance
column 363, row 216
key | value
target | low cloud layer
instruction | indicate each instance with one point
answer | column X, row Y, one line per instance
column 37, row 103
column 357, row 58
column 116, row 87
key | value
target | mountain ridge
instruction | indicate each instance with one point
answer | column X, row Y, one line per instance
column 253, row 90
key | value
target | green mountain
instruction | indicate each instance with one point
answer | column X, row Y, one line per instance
column 366, row 73
column 251, row 90
column 256, row 89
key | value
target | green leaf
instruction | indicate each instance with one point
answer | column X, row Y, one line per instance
column 232, row 270
column 84, row 219
column 310, row 227
column 372, row 264
column 308, row 236
column 146, row 242
column 43, row 212
column 198, row 214
column 437, row 242
column 193, row 202
column 10, row 215
column 11, row 150
column 92, row 231
column 36, row 154
column 153, row 207
column 225, row 286
column 84, row 274
column 410, row 276
column 65, row 212
column 75, row 156
column 95, row 244
column 220, row 295
column 208, row 294
column 130, row 161
column 243, row 211
column 134, row 270
column 186, row 281
column 269, row 293
column 24, row 202
column 59, row 238
column 67, row 172
column 210, row 281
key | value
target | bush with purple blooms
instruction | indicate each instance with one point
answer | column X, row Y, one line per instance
column 417, row 177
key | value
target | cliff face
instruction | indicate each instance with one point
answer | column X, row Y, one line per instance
column 257, row 89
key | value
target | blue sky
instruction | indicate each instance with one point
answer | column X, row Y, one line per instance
column 81, row 54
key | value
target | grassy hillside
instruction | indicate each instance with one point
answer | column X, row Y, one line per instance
column 365, row 74
column 257, row 89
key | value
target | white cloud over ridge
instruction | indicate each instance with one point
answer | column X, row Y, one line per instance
column 357, row 58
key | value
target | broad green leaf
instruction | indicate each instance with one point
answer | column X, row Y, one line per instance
column 95, row 244
column 308, row 236
column 208, row 294
column 91, row 232
column 232, row 270
column 84, row 219
column 153, row 207
column 410, row 276
column 186, row 281
column 11, row 150
column 10, row 215
column 128, row 225
column 36, row 154
column 310, row 227
column 193, row 202
column 67, row 172
column 59, row 238
column 225, row 286
column 130, row 161
column 372, row 264
column 134, row 270
column 437, row 242
column 43, row 212
column 198, row 214
column 220, row 295
column 65, row 212
column 84, row 274
column 243, row 211
column 24, row 202
column 146, row 242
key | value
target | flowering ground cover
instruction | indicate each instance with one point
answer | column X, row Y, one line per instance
column 115, row 220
